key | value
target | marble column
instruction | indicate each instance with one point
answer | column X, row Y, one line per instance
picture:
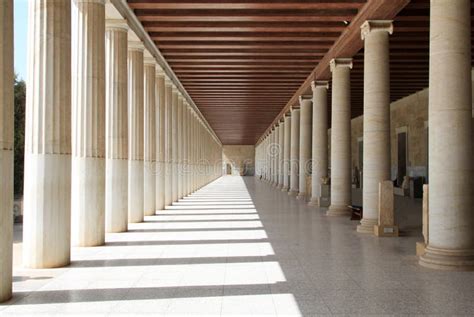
column 320, row 139
column 6, row 148
column 160, row 139
column 341, row 138
column 451, row 220
column 149, row 149
column 179, row 143
column 305, row 145
column 174, row 144
column 275, row 155
column 116, row 144
column 377, row 158
column 295, row 152
column 47, row 187
column 168, row 138
column 135, row 132
column 286, row 153
column 281, row 150
column 88, row 124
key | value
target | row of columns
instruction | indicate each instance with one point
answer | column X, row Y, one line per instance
column 451, row 241
column 108, row 141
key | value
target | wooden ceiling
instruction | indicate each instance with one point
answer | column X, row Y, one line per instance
column 243, row 62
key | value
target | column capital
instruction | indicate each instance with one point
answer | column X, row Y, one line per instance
column 116, row 25
column 319, row 84
column 136, row 46
column 304, row 98
column 174, row 89
column 376, row 25
column 168, row 81
column 159, row 71
column 340, row 62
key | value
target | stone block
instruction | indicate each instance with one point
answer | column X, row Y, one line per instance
column 325, row 199
column 386, row 223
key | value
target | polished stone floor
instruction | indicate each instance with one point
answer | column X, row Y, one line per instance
column 241, row 247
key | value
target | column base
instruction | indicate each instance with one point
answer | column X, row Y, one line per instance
column 293, row 193
column 284, row 189
column 447, row 260
column 367, row 225
column 339, row 211
column 301, row 196
column 420, row 248
column 280, row 187
column 314, row 202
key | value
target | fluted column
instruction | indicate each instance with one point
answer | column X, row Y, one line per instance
column 179, row 143
column 286, row 153
column 376, row 118
column 6, row 148
column 451, row 219
column 135, row 132
column 320, row 139
column 341, row 138
column 295, row 152
column 281, row 149
column 88, row 124
column 160, row 138
column 47, row 188
column 149, row 149
column 305, row 145
column 168, row 139
column 174, row 144
column 116, row 144
column 275, row 152
column 186, row 149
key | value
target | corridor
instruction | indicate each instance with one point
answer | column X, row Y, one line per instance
column 241, row 247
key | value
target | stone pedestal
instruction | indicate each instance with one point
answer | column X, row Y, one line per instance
column 451, row 220
column 47, row 188
column 295, row 152
column 88, row 124
column 135, row 132
column 116, row 147
column 341, row 196
column 376, row 117
column 6, row 148
column 386, row 218
column 305, row 145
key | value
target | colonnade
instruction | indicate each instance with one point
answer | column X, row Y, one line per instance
column 108, row 141
column 451, row 220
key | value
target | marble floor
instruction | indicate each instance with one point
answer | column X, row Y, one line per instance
column 240, row 247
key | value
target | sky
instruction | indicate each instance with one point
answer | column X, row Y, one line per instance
column 21, row 35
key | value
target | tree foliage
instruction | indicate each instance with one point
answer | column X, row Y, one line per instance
column 19, row 147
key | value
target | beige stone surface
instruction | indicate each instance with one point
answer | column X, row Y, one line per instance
column 88, row 131
column 149, row 140
column 168, row 157
column 135, row 132
column 240, row 157
column 340, row 138
column 376, row 118
column 174, row 144
column 160, row 139
column 295, row 152
column 116, row 133
column 305, row 145
column 451, row 220
column 319, row 138
column 286, row 153
column 47, row 183
column 6, row 148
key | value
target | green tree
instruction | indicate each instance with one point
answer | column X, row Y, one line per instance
column 19, row 147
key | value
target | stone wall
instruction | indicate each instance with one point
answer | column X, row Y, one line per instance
column 408, row 114
column 240, row 159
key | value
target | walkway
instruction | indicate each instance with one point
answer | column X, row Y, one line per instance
column 239, row 246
